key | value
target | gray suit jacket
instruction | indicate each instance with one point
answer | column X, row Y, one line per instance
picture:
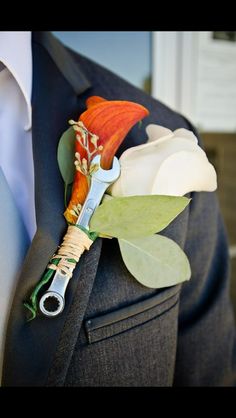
column 114, row 331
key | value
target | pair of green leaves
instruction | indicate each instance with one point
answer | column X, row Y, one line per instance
column 154, row 260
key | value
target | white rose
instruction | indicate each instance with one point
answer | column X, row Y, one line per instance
column 170, row 163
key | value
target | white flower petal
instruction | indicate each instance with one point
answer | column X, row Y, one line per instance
column 129, row 153
column 136, row 176
column 155, row 132
column 185, row 133
column 163, row 148
column 140, row 164
column 169, row 163
column 184, row 172
column 179, row 143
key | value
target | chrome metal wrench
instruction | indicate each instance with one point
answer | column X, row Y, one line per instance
column 100, row 181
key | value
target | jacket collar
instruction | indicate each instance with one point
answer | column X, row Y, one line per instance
column 64, row 61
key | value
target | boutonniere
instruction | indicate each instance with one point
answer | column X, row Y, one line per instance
column 132, row 199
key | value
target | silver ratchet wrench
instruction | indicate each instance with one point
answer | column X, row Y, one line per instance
column 100, row 180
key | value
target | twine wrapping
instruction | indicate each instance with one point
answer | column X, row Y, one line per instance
column 75, row 242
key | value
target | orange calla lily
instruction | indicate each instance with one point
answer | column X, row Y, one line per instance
column 94, row 100
column 110, row 121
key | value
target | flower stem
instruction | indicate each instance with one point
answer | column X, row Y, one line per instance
column 33, row 304
column 65, row 194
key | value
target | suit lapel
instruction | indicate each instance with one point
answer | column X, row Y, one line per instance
column 38, row 353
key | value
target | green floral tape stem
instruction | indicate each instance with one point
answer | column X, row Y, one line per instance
column 91, row 234
column 32, row 305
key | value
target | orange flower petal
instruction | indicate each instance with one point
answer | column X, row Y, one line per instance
column 111, row 121
column 93, row 100
column 79, row 193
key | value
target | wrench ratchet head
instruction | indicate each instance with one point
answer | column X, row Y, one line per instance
column 51, row 304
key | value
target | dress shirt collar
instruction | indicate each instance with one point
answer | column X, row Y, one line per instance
column 16, row 55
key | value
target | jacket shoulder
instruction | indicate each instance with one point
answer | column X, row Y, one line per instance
column 117, row 88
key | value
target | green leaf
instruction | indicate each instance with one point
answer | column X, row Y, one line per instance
column 155, row 261
column 136, row 216
column 66, row 155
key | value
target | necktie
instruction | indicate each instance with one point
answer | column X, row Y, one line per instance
column 14, row 242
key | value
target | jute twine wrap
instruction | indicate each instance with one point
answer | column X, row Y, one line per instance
column 75, row 242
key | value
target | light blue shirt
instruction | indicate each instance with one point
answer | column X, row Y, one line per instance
column 16, row 156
